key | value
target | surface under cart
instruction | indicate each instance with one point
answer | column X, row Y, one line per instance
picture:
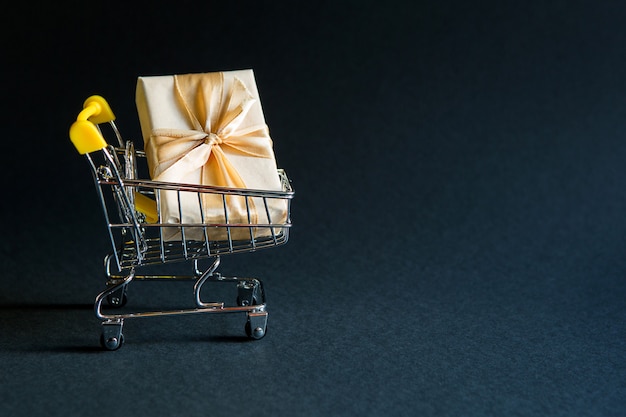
column 138, row 232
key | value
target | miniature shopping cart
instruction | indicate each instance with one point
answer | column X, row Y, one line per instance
column 136, row 230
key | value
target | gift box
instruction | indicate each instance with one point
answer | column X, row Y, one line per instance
column 209, row 129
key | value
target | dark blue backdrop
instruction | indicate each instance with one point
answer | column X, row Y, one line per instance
column 459, row 222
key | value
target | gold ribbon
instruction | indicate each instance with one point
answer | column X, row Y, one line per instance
column 218, row 128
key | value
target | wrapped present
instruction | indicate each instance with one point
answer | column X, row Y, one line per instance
column 209, row 129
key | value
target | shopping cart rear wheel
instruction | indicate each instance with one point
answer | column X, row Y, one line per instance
column 256, row 333
column 112, row 343
column 118, row 298
column 242, row 302
column 256, row 324
column 112, row 337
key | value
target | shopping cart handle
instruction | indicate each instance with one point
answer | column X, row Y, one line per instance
column 147, row 206
column 84, row 133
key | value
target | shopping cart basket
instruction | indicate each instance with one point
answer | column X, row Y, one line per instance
column 136, row 231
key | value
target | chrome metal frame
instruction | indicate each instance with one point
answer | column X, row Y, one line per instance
column 137, row 243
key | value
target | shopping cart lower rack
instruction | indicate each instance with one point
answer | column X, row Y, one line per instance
column 138, row 234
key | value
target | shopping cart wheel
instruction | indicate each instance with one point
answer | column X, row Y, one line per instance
column 112, row 337
column 244, row 302
column 249, row 293
column 112, row 343
column 118, row 298
column 256, row 325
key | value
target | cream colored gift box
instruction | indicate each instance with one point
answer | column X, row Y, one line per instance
column 209, row 129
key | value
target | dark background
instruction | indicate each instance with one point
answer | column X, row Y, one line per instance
column 459, row 231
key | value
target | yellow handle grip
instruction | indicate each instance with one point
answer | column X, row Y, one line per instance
column 83, row 133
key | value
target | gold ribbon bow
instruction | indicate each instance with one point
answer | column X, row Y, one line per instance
column 218, row 127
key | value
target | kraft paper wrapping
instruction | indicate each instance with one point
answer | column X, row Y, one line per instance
column 209, row 129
